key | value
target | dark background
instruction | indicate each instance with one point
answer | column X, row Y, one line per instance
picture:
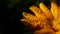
column 11, row 13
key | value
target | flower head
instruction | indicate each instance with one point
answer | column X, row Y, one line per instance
column 46, row 19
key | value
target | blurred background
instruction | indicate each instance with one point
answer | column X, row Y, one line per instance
column 11, row 13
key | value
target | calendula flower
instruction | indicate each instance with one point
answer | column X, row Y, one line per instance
column 45, row 20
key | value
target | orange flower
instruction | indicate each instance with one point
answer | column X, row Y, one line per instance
column 46, row 19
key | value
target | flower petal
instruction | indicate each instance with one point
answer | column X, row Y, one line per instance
column 28, row 16
column 54, row 10
column 37, row 12
column 45, row 10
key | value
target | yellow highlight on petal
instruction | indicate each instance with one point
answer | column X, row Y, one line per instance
column 44, row 9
